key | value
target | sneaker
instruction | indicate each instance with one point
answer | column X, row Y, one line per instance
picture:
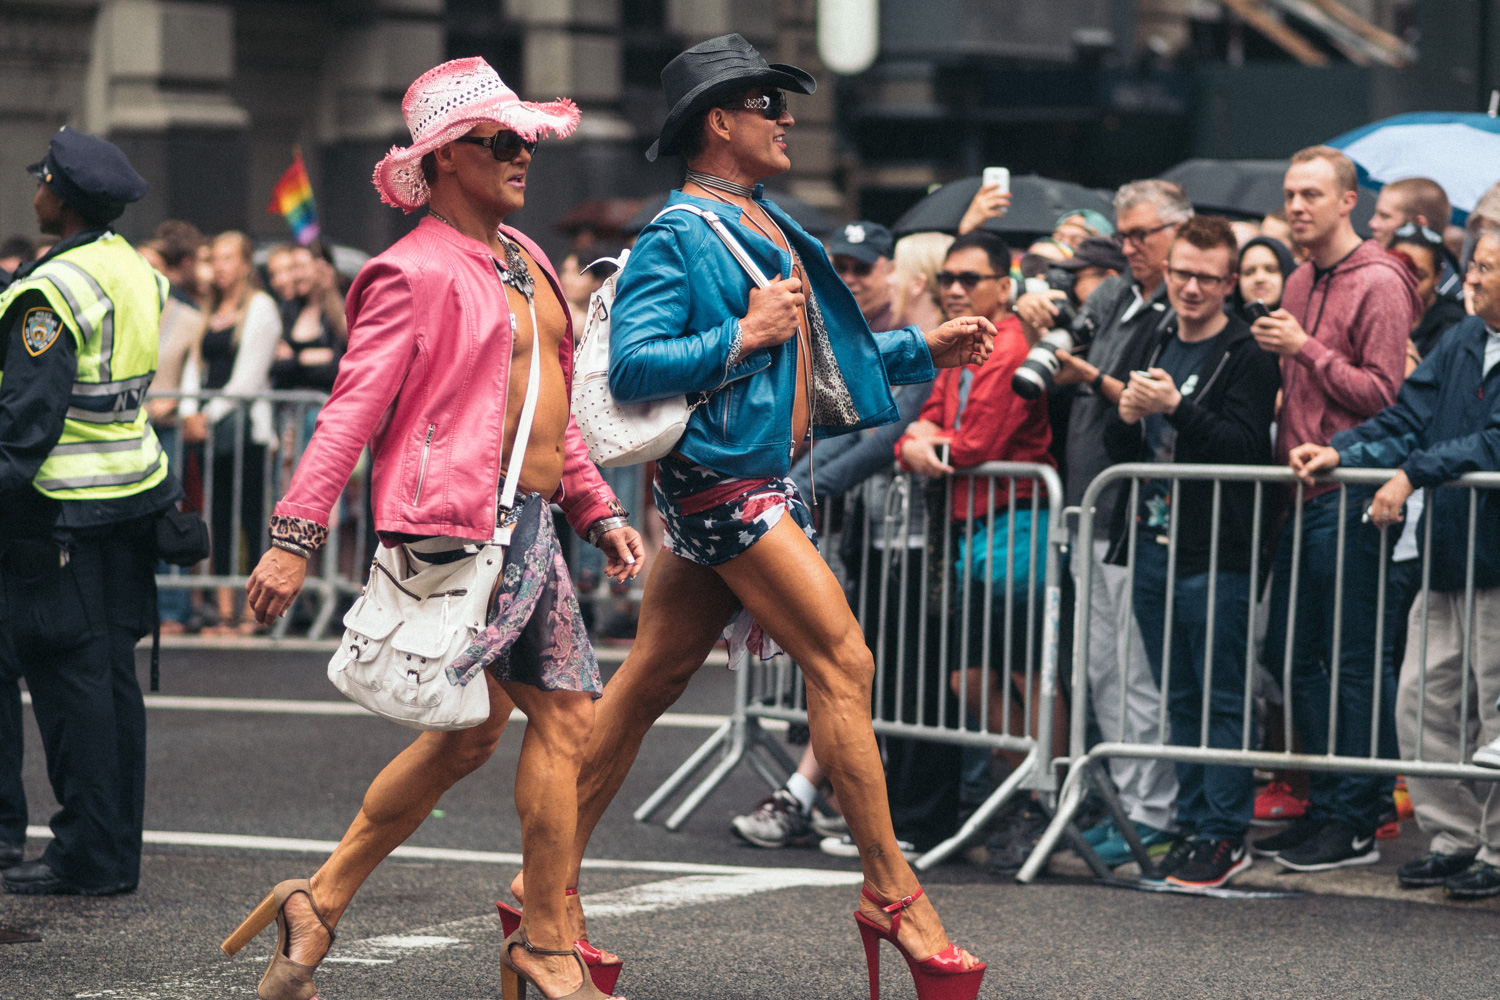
column 1213, row 863
column 1100, row 832
column 830, row 825
column 1336, row 845
column 1115, row 851
column 1478, row 881
column 1015, row 838
column 1432, row 868
column 1301, row 829
column 1277, row 804
column 1388, row 831
column 1177, row 855
column 844, row 847
column 1488, row 755
column 776, row 822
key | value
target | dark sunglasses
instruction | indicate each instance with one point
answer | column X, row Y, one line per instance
column 772, row 105
column 969, row 279
column 503, row 146
column 850, row 265
column 1420, row 234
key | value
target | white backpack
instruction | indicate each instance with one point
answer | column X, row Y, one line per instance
column 631, row 433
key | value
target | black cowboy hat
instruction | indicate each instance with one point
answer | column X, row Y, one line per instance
column 712, row 70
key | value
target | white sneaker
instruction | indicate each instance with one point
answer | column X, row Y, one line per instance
column 776, row 822
column 1488, row 755
column 844, row 847
column 829, row 824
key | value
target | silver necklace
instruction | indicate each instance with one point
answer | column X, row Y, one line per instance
column 710, row 181
column 516, row 274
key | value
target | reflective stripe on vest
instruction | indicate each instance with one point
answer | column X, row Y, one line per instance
column 110, row 301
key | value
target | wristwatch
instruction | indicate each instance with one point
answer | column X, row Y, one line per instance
column 1098, row 384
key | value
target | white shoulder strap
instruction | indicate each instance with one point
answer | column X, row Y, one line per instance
column 722, row 231
column 528, row 409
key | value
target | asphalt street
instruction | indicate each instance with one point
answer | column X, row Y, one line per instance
column 235, row 796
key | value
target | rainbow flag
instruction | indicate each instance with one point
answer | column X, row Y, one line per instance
column 292, row 198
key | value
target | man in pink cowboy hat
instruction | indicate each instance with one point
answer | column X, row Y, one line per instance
column 442, row 330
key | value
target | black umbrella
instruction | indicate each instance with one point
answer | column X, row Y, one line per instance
column 803, row 213
column 1035, row 205
column 1246, row 188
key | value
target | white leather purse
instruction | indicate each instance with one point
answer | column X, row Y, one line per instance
column 631, row 433
column 411, row 622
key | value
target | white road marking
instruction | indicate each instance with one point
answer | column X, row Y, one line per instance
column 286, row 706
column 224, row 980
column 292, row 845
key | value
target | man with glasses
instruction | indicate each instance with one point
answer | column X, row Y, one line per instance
column 1341, row 333
column 973, row 416
column 1444, row 423
column 1126, row 310
column 1201, row 391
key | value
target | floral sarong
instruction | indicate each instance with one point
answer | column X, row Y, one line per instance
column 536, row 633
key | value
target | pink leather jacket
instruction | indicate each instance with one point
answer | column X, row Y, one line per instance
column 424, row 383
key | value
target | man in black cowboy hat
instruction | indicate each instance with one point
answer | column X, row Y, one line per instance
column 778, row 365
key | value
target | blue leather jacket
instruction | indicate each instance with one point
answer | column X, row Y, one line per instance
column 677, row 311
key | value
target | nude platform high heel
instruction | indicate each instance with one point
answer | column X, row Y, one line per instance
column 284, row 979
column 941, row 977
column 513, row 981
column 604, row 974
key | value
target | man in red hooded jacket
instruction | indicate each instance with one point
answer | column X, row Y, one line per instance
column 1341, row 332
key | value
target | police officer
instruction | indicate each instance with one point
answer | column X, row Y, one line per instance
column 83, row 481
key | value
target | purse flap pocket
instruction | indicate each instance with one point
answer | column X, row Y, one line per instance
column 429, row 629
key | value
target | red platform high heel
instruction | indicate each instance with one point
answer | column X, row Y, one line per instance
column 941, row 977
column 604, row 974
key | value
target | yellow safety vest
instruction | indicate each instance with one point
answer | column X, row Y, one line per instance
column 110, row 300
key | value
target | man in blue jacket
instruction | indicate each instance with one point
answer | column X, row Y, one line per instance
column 1444, row 423
column 770, row 367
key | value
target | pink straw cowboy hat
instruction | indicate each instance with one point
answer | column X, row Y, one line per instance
column 446, row 102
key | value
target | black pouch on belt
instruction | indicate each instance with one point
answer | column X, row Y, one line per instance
column 181, row 537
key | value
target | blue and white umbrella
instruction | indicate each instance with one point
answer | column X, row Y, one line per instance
column 1461, row 151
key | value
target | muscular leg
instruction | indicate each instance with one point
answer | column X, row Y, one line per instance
column 558, row 725
column 683, row 611
column 791, row 592
column 398, row 800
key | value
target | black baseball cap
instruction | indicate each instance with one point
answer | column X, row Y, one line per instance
column 865, row 241
column 1096, row 251
column 90, row 175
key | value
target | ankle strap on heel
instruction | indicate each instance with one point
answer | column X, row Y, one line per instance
column 894, row 909
column 570, row 892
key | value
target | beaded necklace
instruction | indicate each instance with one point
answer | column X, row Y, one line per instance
column 516, row 274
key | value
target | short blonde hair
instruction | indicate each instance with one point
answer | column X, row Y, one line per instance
column 1344, row 170
column 918, row 255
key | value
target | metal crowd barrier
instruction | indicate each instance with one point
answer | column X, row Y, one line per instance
column 338, row 569
column 904, row 601
column 1084, row 762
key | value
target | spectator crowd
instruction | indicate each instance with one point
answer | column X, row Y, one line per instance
column 1288, row 340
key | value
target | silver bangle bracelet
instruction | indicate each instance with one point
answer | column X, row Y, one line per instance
column 291, row 547
column 604, row 526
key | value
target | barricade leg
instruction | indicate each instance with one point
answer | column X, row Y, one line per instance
column 1068, row 801
column 683, row 773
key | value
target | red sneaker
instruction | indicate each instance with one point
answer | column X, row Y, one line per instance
column 1277, row 804
column 1389, row 831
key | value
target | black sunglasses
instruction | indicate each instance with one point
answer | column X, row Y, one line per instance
column 969, row 279
column 503, row 146
column 1420, row 234
column 772, row 105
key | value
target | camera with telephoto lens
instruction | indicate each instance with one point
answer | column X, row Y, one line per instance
column 1073, row 333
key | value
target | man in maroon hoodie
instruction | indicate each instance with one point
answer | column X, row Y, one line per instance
column 1341, row 332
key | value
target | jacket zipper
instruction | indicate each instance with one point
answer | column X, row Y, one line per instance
column 422, row 472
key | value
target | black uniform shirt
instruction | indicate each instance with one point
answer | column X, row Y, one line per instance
column 39, row 367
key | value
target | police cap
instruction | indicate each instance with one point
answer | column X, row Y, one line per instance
column 90, row 175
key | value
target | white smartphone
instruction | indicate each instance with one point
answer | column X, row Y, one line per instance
column 996, row 175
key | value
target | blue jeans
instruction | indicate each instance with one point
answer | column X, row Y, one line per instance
column 1214, row 801
column 1355, row 799
column 172, row 603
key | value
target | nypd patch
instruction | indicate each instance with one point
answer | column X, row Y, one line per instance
column 39, row 329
